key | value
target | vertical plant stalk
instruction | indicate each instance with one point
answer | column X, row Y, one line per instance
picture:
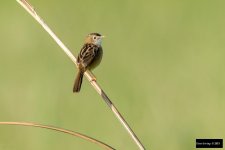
column 88, row 74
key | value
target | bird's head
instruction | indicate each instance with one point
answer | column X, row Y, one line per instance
column 94, row 38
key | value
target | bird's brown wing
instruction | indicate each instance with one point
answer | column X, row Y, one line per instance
column 87, row 54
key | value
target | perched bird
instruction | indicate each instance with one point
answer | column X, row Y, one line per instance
column 89, row 57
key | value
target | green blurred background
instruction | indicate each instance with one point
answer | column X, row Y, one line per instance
column 163, row 67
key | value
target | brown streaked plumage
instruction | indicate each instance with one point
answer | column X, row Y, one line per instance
column 89, row 57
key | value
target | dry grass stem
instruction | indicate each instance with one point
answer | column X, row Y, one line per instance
column 88, row 74
column 103, row 145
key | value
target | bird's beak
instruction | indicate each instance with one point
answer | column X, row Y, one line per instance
column 102, row 36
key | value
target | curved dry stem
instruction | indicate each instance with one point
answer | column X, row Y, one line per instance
column 88, row 74
column 85, row 137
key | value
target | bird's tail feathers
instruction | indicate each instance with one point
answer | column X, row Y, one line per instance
column 78, row 81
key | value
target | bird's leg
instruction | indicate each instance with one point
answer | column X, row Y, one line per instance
column 93, row 78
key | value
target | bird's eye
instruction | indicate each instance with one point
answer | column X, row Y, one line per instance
column 94, row 37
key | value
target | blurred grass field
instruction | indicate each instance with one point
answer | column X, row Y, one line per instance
column 163, row 67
